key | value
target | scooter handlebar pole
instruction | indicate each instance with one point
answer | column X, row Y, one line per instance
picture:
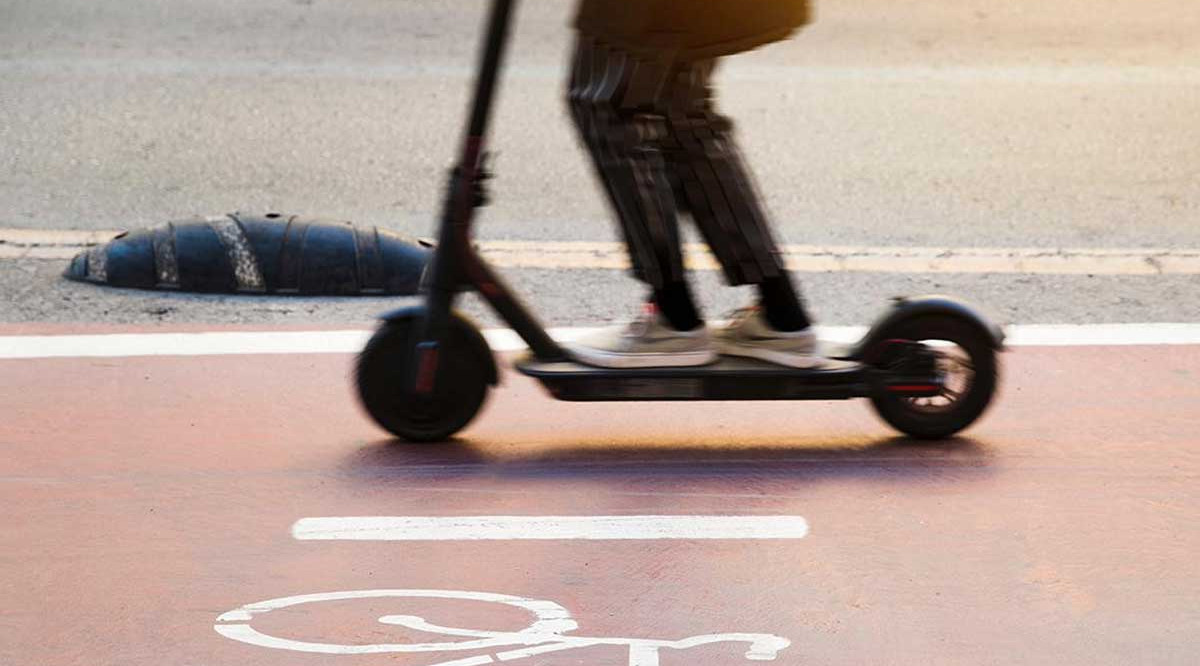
column 489, row 284
column 489, row 67
column 454, row 261
column 458, row 209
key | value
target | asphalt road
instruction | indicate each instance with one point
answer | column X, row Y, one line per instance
column 884, row 124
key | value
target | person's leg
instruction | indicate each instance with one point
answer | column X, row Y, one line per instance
column 612, row 96
column 781, row 305
column 719, row 192
column 598, row 76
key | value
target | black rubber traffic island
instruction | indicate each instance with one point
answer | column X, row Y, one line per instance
column 258, row 254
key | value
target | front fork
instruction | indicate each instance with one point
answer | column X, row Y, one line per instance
column 452, row 258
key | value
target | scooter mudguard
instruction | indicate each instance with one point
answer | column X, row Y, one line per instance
column 412, row 312
column 905, row 308
column 406, row 312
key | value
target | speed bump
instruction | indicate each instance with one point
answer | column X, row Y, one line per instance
column 258, row 254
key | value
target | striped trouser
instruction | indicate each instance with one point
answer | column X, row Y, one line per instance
column 659, row 146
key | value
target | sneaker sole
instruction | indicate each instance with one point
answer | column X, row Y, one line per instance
column 618, row 361
column 791, row 360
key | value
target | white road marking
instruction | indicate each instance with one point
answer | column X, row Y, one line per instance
column 551, row 620
column 480, row 528
column 119, row 345
column 582, row 255
column 1102, row 335
column 54, row 237
column 183, row 344
column 547, row 633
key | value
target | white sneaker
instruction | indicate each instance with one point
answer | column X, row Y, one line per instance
column 748, row 334
column 646, row 342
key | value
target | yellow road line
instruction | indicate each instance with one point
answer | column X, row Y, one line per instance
column 812, row 258
column 579, row 255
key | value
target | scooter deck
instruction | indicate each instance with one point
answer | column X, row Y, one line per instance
column 728, row 379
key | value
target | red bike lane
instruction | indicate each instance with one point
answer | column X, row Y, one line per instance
column 152, row 501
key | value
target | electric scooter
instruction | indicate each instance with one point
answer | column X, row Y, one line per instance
column 928, row 365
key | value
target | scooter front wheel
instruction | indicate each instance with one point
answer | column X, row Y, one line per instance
column 460, row 387
column 966, row 359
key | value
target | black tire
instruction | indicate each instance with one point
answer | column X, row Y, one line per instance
column 927, row 422
column 465, row 370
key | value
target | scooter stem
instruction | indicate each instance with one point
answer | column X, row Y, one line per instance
column 451, row 258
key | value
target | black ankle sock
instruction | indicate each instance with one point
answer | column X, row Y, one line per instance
column 781, row 305
column 675, row 303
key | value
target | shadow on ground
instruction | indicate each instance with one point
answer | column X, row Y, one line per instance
column 896, row 459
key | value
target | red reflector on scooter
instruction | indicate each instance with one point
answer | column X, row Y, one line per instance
column 913, row 388
column 427, row 369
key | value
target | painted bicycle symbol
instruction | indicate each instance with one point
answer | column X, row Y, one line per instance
column 549, row 632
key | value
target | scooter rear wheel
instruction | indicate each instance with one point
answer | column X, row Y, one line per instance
column 966, row 357
column 460, row 387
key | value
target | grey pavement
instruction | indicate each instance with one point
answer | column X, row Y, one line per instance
column 31, row 292
column 1061, row 124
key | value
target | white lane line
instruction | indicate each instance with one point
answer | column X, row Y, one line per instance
column 120, row 345
column 480, row 528
column 182, row 344
column 221, row 343
column 1102, row 335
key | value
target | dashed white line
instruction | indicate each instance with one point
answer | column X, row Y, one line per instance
column 543, row 528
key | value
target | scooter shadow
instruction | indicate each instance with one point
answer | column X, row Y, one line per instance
column 897, row 459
